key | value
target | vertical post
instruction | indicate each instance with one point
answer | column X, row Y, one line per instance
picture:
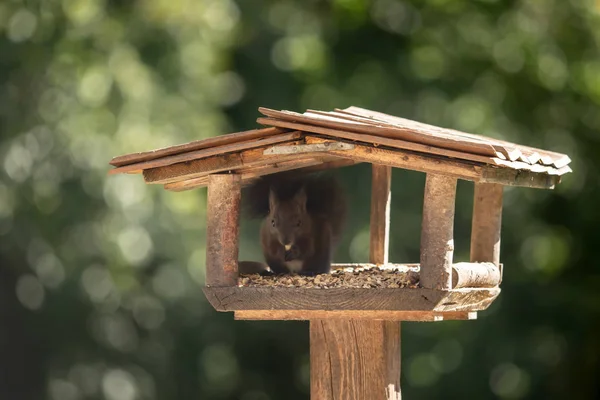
column 487, row 221
column 437, row 232
column 381, row 181
column 352, row 359
column 222, row 229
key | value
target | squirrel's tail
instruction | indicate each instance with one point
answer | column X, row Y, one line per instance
column 325, row 197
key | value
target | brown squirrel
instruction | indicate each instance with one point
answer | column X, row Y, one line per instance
column 304, row 215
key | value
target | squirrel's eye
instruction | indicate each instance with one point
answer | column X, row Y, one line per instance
column 299, row 222
column 273, row 223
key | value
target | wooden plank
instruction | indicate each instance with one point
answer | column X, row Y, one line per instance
column 381, row 182
column 394, row 122
column 372, row 315
column 308, row 148
column 407, row 160
column 413, row 132
column 215, row 164
column 235, row 298
column 247, row 174
column 378, row 140
column 470, row 275
column 514, row 150
column 437, row 232
column 511, row 177
column 354, row 360
column 199, row 154
column 222, row 229
column 486, row 223
column 220, row 140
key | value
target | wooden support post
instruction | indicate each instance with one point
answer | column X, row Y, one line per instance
column 354, row 359
column 487, row 220
column 437, row 232
column 222, row 229
column 381, row 180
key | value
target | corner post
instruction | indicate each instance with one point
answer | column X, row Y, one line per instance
column 486, row 224
column 354, row 359
column 437, row 232
column 222, row 229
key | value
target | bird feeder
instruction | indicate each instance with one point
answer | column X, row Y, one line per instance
column 355, row 332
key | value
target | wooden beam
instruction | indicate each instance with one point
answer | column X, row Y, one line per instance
column 219, row 140
column 470, row 171
column 222, row 229
column 220, row 163
column 486, row 224
column 247, row 174
column 406, row 159
column 522, row 178
column 381, row 181
column 206, row 152
column 471, row 275
column 251, row 174
column 373, row 315
column 353, row 359
column 382, row 141
column 437, row 232
column 412, row 131
column 236, row 298
column 309, row 148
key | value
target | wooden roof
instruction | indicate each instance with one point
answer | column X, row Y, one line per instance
column 319, row 139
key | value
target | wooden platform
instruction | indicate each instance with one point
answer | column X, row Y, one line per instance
column 402, row 299
column 310, row 315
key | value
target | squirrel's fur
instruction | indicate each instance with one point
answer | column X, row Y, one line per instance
column 304, row 211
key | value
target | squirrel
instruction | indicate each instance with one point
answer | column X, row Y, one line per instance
column 303, row 218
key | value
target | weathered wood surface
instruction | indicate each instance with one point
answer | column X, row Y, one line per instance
column 374, row 315
column 486, row 223
column 361, row 153
column 381, row 182
column 437, row 232
column 523, row 178
column 247, row 174
column 407, row 160
column 207, row 152
column 354, row 360
column 379, row 140
column 236, row 298
column 222, row 229
column 415, row 132
column 252, row 173
column 309, row 148
column 472, row 275
column 220, row 140
column 518, row 150
column 215, row 164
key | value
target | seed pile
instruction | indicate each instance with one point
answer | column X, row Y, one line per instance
column 350, row 277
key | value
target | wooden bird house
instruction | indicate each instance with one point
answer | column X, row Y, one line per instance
column 354, row 331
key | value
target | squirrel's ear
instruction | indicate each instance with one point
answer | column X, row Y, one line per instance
column 300, row 198
column 272, row 200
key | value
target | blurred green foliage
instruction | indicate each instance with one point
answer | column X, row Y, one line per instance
column 100, row 278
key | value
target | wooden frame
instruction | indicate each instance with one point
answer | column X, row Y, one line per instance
column 355, row 332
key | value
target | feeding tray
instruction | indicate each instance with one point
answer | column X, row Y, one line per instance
column 356, row 304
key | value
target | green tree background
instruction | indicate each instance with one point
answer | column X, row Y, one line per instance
column 100, row 277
